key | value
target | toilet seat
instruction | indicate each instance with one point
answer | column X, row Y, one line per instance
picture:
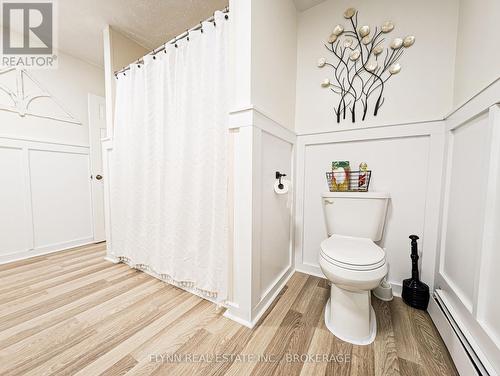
column 352, row 253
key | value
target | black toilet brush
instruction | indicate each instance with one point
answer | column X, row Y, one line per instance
column 415, row 292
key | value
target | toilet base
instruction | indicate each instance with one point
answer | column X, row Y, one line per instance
column 352, row 319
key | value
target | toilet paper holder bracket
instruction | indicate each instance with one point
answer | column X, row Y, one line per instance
column 279, row 175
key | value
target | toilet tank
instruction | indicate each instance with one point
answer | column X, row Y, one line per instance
column 360, row 214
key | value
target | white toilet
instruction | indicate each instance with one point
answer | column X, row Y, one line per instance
column 352, row 262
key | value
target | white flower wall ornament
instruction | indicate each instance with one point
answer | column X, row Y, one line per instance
column 347, row 42
column 354, row 55
column 362, row 63
column 337, row 30
column 396, row 43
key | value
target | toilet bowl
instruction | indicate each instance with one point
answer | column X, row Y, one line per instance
column 352, row 262
column 354, row 266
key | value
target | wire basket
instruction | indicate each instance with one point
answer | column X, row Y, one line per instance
column 348, row 181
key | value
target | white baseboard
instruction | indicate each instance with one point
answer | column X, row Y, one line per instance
column 270, row 296
column 396, row 288
column 5, row 259
column 238, row 319
column 265, row 302
column 455, row 347
column 309, row 269
column 112, row 259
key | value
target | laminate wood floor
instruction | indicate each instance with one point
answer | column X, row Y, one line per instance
column 73, row 313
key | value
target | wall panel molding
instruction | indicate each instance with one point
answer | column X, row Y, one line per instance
column 256, row 283
column 432, row 131
column 29, row 218
column 468, row 262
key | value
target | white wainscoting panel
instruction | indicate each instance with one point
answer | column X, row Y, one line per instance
column 45, row 198
column 469, row 264
column 15, row 218
column 263, row 228
column 468, row 155
column 61, row 197
column 399, row 167
column 275, row 257
column 406, row 162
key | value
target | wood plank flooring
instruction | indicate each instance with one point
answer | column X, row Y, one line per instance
column 73, row 313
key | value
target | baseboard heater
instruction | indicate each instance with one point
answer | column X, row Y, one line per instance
column 469, row 350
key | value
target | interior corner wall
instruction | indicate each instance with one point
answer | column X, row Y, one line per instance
column 263, row 56
column 274, row 59
column 477, row 54
column 119, row 51
column 422, row 91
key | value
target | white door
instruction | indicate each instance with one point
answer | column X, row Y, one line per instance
column 97, row 131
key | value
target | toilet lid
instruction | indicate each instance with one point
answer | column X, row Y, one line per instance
column 353, row 253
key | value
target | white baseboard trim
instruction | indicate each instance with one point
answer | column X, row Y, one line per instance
column 265, row 302
column 110, row 256
column 270, row 296
column 5, row 259
column 310, row 269
column 396, row 288
column 238, row 319
column 112, row 259
column 455, row 347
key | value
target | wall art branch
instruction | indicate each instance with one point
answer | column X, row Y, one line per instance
column 362, row 64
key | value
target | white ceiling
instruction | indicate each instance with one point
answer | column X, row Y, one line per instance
column 148, row 22
column 302, row 5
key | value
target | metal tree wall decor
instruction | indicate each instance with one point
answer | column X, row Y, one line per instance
column 362, row 65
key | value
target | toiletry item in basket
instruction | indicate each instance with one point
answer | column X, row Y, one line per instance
column 340, row 180
column 363, row 178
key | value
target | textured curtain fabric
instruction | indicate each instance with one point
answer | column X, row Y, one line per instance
column 168, row 167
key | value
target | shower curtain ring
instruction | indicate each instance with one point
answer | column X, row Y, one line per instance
column 187, row 38
column 201, row 27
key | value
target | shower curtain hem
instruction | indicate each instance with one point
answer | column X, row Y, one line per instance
column 189, row 286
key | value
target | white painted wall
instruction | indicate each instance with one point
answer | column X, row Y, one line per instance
column 477, row 48
column 119, row 51
column 274, row 59
column 468, row 267
column 405, row 161
column 423, row 89
column 264, row 55
column 263, row 235
column 45, row 196
column 275, row 251
column 70, row 84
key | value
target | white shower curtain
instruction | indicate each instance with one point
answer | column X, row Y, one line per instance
column 168, row 167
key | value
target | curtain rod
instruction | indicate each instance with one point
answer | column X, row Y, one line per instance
column 173, row 41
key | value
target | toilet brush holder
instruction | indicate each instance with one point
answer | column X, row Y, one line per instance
column 383, row 291
column 415, row 293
